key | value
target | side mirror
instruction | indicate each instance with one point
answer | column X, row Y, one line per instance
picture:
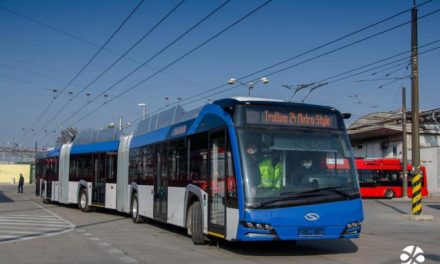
column 346, row 115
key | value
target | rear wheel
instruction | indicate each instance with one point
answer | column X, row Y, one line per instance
column 389, row 193
column 198, row 237
column 84, row 201
column 189, row 220
column 135, row 210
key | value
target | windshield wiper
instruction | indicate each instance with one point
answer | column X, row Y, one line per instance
column 335, row 190
column 285, row 197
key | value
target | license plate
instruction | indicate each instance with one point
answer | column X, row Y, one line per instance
column 311, row 232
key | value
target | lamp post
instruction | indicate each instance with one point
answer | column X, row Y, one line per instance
column 144, row 110
column 249, row 85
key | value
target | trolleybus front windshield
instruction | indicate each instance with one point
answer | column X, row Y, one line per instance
column 286, row 166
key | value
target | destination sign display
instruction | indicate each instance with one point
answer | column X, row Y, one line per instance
column 298, row 118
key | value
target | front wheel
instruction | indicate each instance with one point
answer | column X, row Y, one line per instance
column 389, row 193
column 84, row 201
column 135, row 210
column 197, row 235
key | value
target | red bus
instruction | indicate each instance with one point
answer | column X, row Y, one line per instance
column 383, row 178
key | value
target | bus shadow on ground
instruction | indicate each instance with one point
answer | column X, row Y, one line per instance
column 286, row 248
column 272, row 248
column 4, row 198
column 434, row 206
column 391, row 207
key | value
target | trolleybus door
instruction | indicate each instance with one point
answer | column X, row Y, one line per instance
column 161, row 184
column 98, row 182
column 217, row 183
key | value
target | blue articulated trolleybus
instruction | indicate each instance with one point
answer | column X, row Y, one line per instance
column 240, row 169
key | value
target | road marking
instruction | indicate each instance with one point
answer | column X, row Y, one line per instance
column 2, row 237
column 30, row 217
column 15, row 232
column 114, row 251
column 127, row 259
column 40, row 216
column 34, row 224
column 21, row 227
column 105, row 244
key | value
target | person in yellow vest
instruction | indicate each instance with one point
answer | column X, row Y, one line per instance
column 271, row 171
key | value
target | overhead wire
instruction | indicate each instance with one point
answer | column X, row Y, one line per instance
column 298, row 55
column 116, row 61
column 405, row 59
column 149, row 59
column 48, row 106
column 331, row 77
column 349, row 44
column 87, row 64
column 26, row 82
column 289, row 66
column 177, row 60
column 60, row 31
column 310, row 59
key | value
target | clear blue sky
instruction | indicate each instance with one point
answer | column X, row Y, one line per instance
column 35, row 59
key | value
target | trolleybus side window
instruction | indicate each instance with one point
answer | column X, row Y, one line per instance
column 132, row 172
column 177, row 163
column 110, row 167
column 73, row 169
column 148, row 164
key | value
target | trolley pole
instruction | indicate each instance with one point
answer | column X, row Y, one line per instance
column 404, row 146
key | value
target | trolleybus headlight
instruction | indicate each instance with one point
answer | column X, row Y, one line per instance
column 257, row 226
column 354, row 224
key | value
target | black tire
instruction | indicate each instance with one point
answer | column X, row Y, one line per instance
column 83, row 201
column 189, row 220
column 198, row 237
column 137, row 219
column 389, row 193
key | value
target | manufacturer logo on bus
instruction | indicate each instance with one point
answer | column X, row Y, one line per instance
column 311, row 216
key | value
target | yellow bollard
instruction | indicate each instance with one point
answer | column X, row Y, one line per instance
column 417, row 194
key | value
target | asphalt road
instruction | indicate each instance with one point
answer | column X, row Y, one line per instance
column 33, row 232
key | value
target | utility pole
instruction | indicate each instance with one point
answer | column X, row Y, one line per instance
column 404, row 146
column 417, row 178
column 35, row 161
column 415, row 93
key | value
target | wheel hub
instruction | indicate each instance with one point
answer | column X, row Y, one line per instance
column 134, row 209
column 83, row 200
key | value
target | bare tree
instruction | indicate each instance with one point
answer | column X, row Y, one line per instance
column 66, row 135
